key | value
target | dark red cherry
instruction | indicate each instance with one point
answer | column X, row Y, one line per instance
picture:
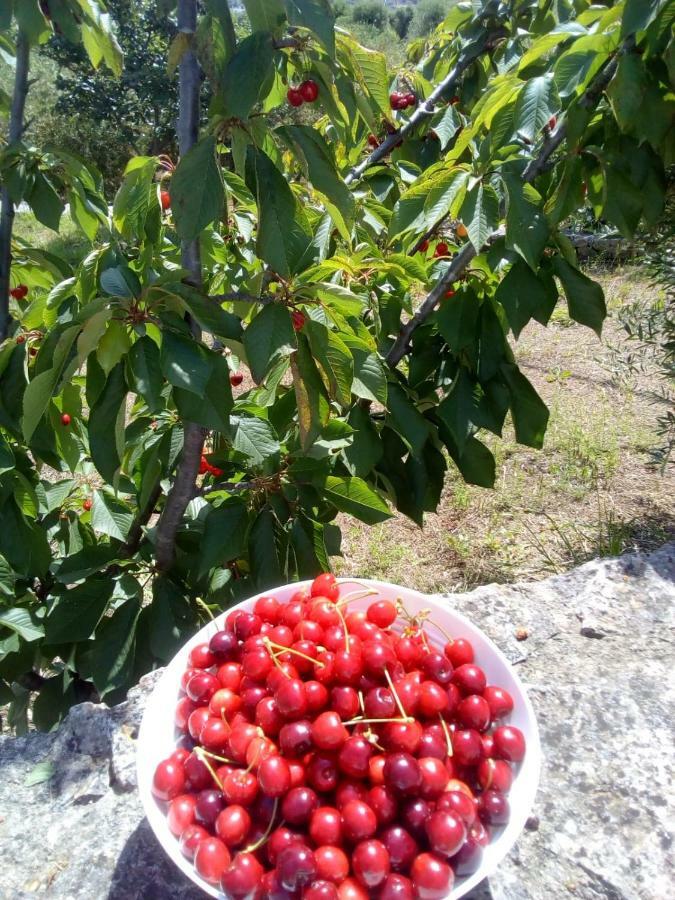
column 470, row 679
column 354, row 756
column 233, row 824
column 295, row 738
column 401, row 846
column 509, row 743
column 473, row 712
column 358, row 821
column 241, row 880
column 211, row 859
column 296, row 867
column 298, row 805
column 370, row 863
column 459, row 652
column 499, row 701
column 467, row 747
column 396, row 887
column 445, row 832
column 402, row 773
column 493, row 808
column 432, row 878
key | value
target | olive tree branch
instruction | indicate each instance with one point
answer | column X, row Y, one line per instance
column 427, row 107
column 589, row 99
column 16, row 129
column 183, row 487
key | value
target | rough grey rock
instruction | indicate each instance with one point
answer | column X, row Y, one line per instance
column 598, row 663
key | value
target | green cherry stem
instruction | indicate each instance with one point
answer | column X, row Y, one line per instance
column 390, row 682
column 263, row 838
column 201, row 754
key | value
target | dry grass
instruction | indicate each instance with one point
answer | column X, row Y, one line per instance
column 591, row 491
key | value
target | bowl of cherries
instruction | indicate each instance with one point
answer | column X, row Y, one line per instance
column 338, row 740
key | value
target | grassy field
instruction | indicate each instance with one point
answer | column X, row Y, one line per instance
column 593, row 490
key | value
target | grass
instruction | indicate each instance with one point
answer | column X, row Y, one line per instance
column 592, row 490
column 68, row 242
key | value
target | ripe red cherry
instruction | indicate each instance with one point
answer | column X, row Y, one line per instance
column 460, row 804
column 469, row 679
column 434, row 777
column 211, row 859
column 394, row 99
column 317, row 697
column 401, row 846
column 441, row 249
column 169, row 780
column 350, row 889
column 215, row 735
column 467, row 747
column 354, row 756
column 236, row 379
column 509, row 743
column 459, row 652
column 423, row 247
column 404, row 736
column 552, row 122
column 298, row 805
column 65, row 419
column 268, row 608
column 496, row 774
column 432, row 699
column 291, row 698
column 295, row 738
column 322, row 772
column 373, row 141
column 201, row 657
column 197, row 774
column 297, row 320
column 370, row 863
column 446, row 832
column 414, row 815
column 325, row 826
column 382, row 613
column 331, row 863
column 296, row 867
column 431, row 877
column 493, row 808
column 191, row 838
column 309, row 90
column 233, row 824
column 240, row 787
column 344, row 701
column 274, row 776
column 358, row 821
column 320, row 890
column 19, row 292
column 396, row 887
column 181, row 813
column 328, row 732
column 469, row 857
column 21, row 339
column 379, row 703
column 474, row 712
column 209, row 804
column 402, row 773
column 381, row 800
column 377, row 657
column 325, row 585
column 165, row 200
column 224, row 646
column 241, row 880
column 499, row 701
column 202, row 686
column 294, row 97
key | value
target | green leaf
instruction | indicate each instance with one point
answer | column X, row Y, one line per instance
column 170, row 619
column 365, row 450
column 113, row 346
column 310, row 395
column 268, row 338
column 354, row 496
column 104, row 424
column 334, row 357
column 476, row 464
column 536, row 103
column 370, row 378
column 248, row 76
column 42, row 388
column 76, row 613
column 317, row 15
column 185, row 363
column 224, row 537
column 31, row 21
column 7, row 461
column 307, row 539
column 638, row 14
column 526, row 226
column 263, row 548
column 22, row 623
column 427, row 200
column 120, row 281
column 197, row 191
column 265, row 15
column 254, row 437
column 457, row 319
column 458, row 410
column 110, row 517
column 627, row 90
column 211, row 411
column 480, row 213
column 585, row 298
column 370, row 70
column 284, row 233
column 623, row 201
column 45, row 202
column 406, row 420
column 43, row 771
column 524, row 295
column 135, row 197
column 144, row 372
column 108, row 660
column 209, row 313
column 319, row 168
column 530, row 413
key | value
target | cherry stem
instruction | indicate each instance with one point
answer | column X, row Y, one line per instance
column 390, row 682
column 201, row 755
column 223, row 759
column 276, row 662
column 268, row 831
column 444, row 726
column 356, row 595
column 359, row 721
column 440, row 628
column 344, row 626
column 280, row 647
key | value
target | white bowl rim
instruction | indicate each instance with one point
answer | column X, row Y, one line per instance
column 531, row 764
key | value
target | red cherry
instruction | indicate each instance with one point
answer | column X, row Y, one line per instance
column 350, row 889
column 423, row 247
column 309, row 90
column 297, row 320
column 354, row 756
column 433, row 700
column 459, row 652
column 379, row 703
column 441, row 249
column 460, row 804
column 468, row 859
column 449, row 294
column 240, row 787
column 184, row 708
column 394, row 99
column 370, row 863
column 397, row 887
column 296, row 867
column 165, row 200
column 203, row 465
column 225, row 703
column 317, row 697
column 499, row 701
column 509, row 743
column 320, row 890
column 209, row 804
column 382, row 613
column 495, row 774
column 211, row 859
column 405, row 736
column 169, row 780
column 233, row 824
column 224, row 646
column 236, row 379
column 191, row 838
column 294, row 97
column 295, row 738
column 241, row 880
column 493, row 808
column 325, row 585
column 358, row 821
column 65, row 419
column 328, row 732
column 274, row 776
column 344, row 701
column 181, row 813
column 446, row 832
column 469, row 679
column 331, row 863
column 215, row 735
column 322, row 772
column 434, row 777
column 201, row 657
column 298, row 805
column 268, row 608
column 325, row 826
column 291, row 698
column 87, row 505
column 467, row 747
column 401, row 846
column 373, row 141
column 19, row 292
column 552, row 122
column 431, row 877
column 202, row 686
column 21, row 339
column 474, row 712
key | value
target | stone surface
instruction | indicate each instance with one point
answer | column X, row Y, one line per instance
column 598, row 663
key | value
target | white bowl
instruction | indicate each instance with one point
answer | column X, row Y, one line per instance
column 157, row 737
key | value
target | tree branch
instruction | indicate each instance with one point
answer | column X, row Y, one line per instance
column 16, row 128
column 232, row 296
column 183, row 487
column 427, row 108
column 461, row 261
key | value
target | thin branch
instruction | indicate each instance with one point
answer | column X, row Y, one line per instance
column 135, row 535
column 233, row 296
column 426, row 108
column 231, row 486
column 182, row 490
column 461, row 261
column 16, row 128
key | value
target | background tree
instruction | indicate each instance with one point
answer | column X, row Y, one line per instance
column 400, row 19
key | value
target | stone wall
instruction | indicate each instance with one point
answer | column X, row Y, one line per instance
column 598, row 662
